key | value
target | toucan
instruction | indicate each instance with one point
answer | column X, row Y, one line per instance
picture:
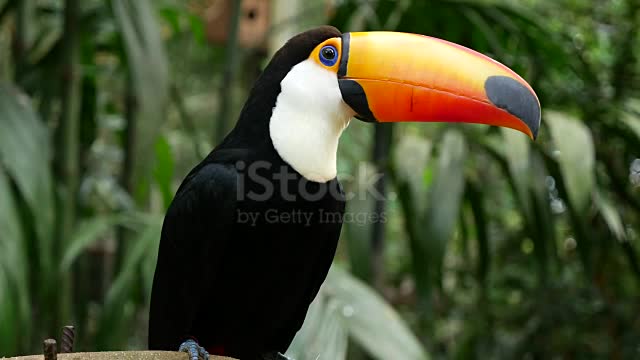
column 252, row 231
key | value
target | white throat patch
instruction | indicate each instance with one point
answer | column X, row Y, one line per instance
column 308, row 119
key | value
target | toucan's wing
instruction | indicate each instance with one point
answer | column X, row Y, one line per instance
column 196, row 229
column 317, row 277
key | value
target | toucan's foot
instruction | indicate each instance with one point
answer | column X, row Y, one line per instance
column 195, row 351
column 274, row 356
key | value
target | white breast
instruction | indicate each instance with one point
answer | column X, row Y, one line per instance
column 308, row 119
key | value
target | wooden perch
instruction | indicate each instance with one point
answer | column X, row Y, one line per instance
column 120, row 355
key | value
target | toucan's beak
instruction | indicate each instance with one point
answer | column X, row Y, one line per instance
column 388, row 77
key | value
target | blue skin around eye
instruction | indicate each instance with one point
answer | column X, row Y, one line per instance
column 329, row 62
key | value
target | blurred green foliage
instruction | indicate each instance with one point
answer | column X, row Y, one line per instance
column 495, row 247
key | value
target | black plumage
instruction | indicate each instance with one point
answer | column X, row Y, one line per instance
column 238, row 266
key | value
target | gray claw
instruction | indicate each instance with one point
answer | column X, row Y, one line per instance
column 195, row 351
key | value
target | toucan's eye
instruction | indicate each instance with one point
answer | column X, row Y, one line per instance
column 328, row 55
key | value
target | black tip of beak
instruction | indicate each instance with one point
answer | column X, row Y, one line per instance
column 510, row 95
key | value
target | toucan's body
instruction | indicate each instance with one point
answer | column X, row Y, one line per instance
column 252, row 231
column 261, row 265
column 242, row 233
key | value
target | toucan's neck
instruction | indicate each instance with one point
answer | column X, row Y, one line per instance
column 307, row 121
column 299, row 112
column 253, row 124
column 307, row 141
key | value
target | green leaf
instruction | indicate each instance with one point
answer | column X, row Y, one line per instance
column 575, row 154
column 163, row 172
column 118, row 310
column 12, row 262
column 540, row 220
column 149, row 76
column 489, row 32
column 14, row 272
column 171, row 16
column 411, row 157
column 138, row 249
column 8, row 321
column 437, row 225
column 611, row 216
column 358, row 235
column 91, row 230
column 323, row 334
column 370, row 320
column 516, row 148
column 25, row 154
column 346, row 305
column 197, row 26
column 480, row 219
column 632, row 120
column 429, row 230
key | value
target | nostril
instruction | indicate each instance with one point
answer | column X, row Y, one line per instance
column 510, row 95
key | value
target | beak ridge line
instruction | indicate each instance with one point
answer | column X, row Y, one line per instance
column 344, row 58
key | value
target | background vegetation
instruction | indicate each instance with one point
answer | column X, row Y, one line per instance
column 495, row 246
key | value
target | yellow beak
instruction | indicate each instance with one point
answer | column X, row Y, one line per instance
column 389, row 77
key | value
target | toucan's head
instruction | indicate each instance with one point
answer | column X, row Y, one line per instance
column 325, row 78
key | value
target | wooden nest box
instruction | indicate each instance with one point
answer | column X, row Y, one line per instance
column 252, row 28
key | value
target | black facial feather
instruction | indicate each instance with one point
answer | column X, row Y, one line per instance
column 255, row 115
